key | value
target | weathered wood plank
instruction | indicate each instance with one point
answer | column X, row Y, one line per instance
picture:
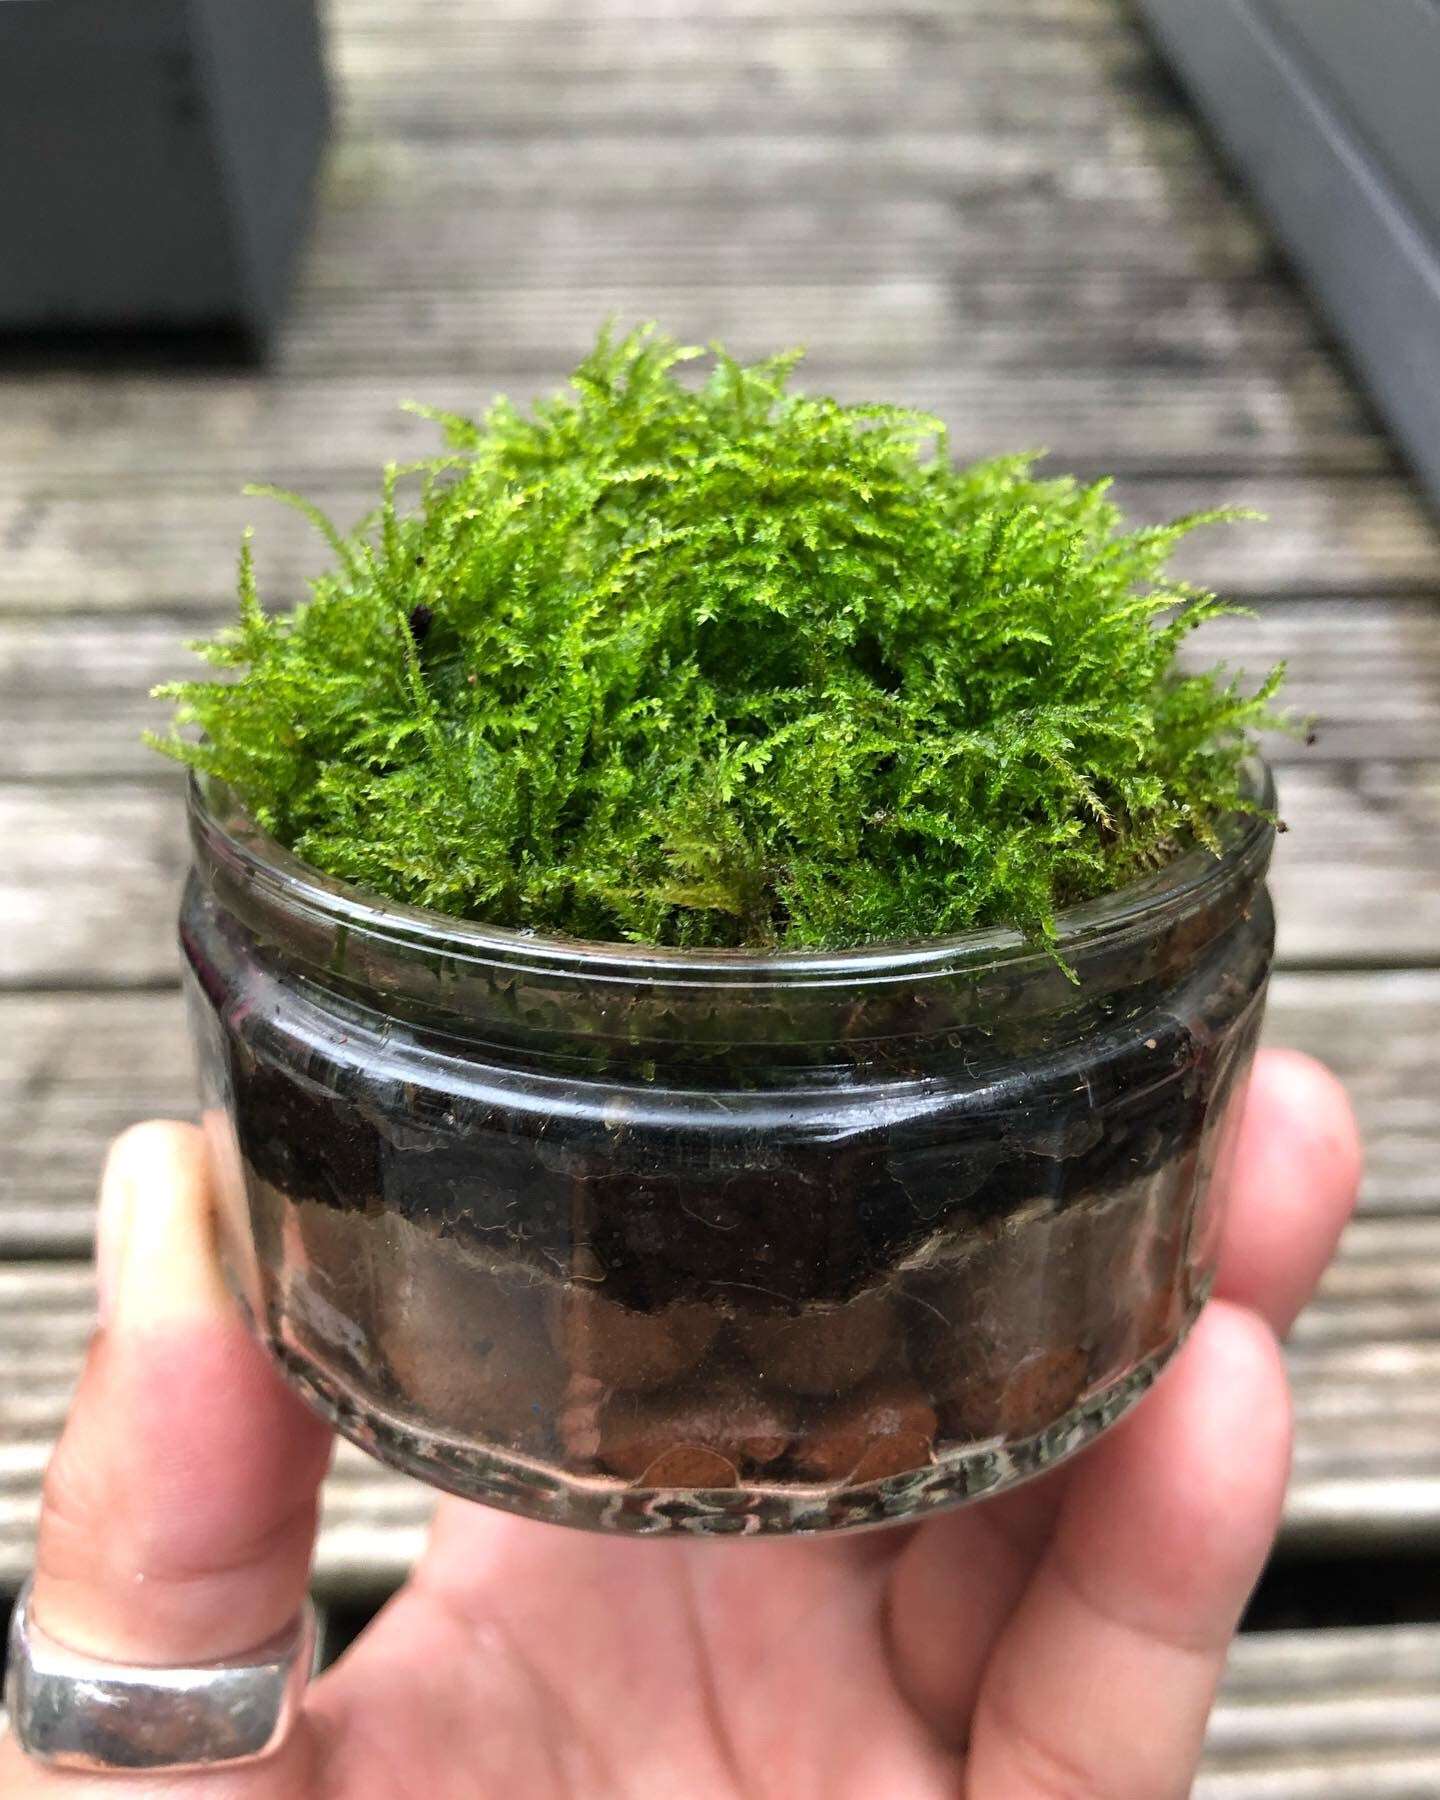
column 1333, row 1715
column 961, row 163
column 1365, row 1362
column 141, row 547
column 386, row 19
column 90, row 885
column 77, row 1068
column 1076, row 36
column 597, row 75
column 74, row 695
column 62, row 432
column 406, row 243
column 1281, row 1665
column 1406, row 1719
column 1383, row 1292
column 1093, row 318
column 229, row 429
column 1304, row 1774
column 90, row 882
column 1381, row 1034
column 1357, row 877
column 74, row 690
column 1367, row 673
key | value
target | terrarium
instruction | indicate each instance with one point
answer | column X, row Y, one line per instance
column 724, row 953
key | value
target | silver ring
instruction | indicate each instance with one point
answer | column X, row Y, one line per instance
column 73, row 1711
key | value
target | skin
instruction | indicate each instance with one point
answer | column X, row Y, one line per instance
column 1065, row 1640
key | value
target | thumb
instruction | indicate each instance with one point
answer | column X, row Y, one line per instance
column 180, row 1504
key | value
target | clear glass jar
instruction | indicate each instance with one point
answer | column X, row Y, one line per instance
column 649, row 1240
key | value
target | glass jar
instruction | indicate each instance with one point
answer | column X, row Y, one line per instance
column 651, row 1240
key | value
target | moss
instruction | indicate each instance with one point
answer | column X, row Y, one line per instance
column 715, row 663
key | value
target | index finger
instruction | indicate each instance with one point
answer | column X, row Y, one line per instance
column 1290, row 1187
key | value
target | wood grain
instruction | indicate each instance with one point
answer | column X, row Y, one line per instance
column 220, row 430
column 960, row 163
column 1356, row 878
column 845, row 240
column 385, row 19
column 1327, row 1715
column 1007, row 321
column 596, row 76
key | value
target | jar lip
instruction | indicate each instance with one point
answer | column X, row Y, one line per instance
column 223, row 830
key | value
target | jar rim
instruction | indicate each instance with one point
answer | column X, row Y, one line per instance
column 283, row 884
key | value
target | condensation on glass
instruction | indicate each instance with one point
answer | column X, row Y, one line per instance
column 654, row 1241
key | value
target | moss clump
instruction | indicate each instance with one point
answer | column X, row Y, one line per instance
column 720, row 664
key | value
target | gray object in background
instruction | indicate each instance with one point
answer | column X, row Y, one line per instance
column 1331, row 110
column 156, row 161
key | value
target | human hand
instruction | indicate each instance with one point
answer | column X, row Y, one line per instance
column 1063, row 1639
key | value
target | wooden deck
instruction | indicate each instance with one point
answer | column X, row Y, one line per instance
column 998, row 209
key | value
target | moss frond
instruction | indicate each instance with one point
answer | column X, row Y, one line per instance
column 718, row 663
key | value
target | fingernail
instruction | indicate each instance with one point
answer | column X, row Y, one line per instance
column 165, row 1269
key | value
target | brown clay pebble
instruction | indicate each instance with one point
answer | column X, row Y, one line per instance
column 1114, row 1287
column 997, row 1400
column 1014, row 1291
column 726, row 1422
column 623, row 1348
column 1042, row 1389
column 1008, row 1338
column 689, row 1466
column 884, row 1428
column 899, row 1454
column 970, row 1408
column 336, row 1251
column 1115, row 1281
column 1162, row 1311
column 820, row 1350
column 468, row 1352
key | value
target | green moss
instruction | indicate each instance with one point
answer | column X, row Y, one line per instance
column 719, row 664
